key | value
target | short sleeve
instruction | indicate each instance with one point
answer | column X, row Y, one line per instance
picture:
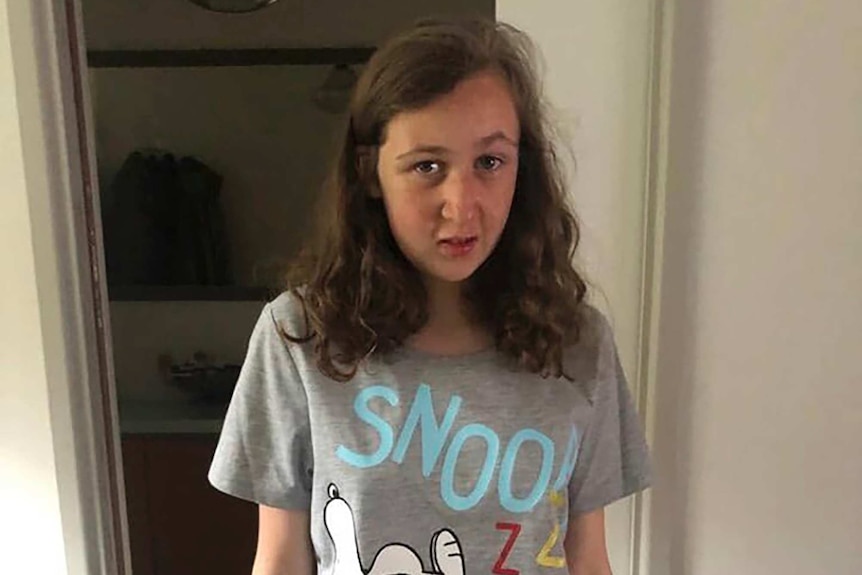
column 264, row 452
column 613, row 459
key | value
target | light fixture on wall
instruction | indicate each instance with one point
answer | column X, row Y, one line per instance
column 233, row 6
column 334, row 93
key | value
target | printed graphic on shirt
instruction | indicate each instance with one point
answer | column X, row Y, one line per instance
column 392, row 559
column 440, row 439
column 491, row 470
column 545, row 557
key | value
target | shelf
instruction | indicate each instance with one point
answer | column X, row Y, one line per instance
column 240, row 57
column 161, row 417
column 188, row 293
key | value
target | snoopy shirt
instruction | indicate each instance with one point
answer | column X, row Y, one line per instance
column 429, row 464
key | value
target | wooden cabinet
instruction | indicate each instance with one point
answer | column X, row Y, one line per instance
column 178, row 523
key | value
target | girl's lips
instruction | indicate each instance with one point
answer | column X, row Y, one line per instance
column 457, row 246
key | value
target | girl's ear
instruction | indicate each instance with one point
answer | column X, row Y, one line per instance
column 366, row 167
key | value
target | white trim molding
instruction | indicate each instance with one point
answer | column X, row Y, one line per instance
column 648, row 537
column 45, row 37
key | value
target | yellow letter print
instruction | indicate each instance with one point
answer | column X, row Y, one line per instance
column 544, row 558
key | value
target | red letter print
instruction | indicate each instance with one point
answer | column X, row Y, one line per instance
column 514, row 530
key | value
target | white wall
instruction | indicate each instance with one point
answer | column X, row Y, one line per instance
column 759, row 386
column 31, row 536
column 47, row 524
column 598, row 58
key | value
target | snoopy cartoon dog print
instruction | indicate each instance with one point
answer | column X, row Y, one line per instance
column 392, row 559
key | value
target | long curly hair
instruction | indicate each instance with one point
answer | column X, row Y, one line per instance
column 359, row 293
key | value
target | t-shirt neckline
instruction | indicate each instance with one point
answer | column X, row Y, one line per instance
column 408, row 352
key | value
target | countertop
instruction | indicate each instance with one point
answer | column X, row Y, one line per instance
column 178, row 417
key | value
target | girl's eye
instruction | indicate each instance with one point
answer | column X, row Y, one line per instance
column 489, row 163
column 427, row 167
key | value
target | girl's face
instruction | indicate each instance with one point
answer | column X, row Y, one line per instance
column 447, row 174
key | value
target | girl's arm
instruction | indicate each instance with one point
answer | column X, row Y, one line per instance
column 586, row 551
column 283, row 543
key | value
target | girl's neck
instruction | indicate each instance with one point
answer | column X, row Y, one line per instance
column 450, row 329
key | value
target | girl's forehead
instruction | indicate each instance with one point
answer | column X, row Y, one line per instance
column 476, row 108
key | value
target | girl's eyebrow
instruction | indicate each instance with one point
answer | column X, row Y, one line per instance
column 499, row 135
column 424, row 149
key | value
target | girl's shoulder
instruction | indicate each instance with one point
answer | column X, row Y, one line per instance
column 288, row 321
column 288, row 312
column 593, row 357
column 594, row 327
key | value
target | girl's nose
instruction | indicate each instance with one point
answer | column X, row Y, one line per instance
column 460, row 198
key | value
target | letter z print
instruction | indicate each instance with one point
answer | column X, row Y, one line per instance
column 514, row 530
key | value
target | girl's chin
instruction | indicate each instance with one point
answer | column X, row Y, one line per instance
column 449, row 274
column 448, row 270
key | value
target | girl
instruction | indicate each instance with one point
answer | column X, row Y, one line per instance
column 432, row 394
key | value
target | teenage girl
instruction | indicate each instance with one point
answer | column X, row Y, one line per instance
column 432, row 394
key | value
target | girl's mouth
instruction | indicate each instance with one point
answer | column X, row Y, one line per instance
column 457, row 246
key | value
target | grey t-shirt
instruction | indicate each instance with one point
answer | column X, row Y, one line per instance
column 429, row 464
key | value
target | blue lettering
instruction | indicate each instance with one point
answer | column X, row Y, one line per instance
column 433, row 434
column 507, row 499
column 567, row 468
column 387, row 437
column 447, row 481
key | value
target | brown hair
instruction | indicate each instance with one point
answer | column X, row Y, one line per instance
column 360, row 295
